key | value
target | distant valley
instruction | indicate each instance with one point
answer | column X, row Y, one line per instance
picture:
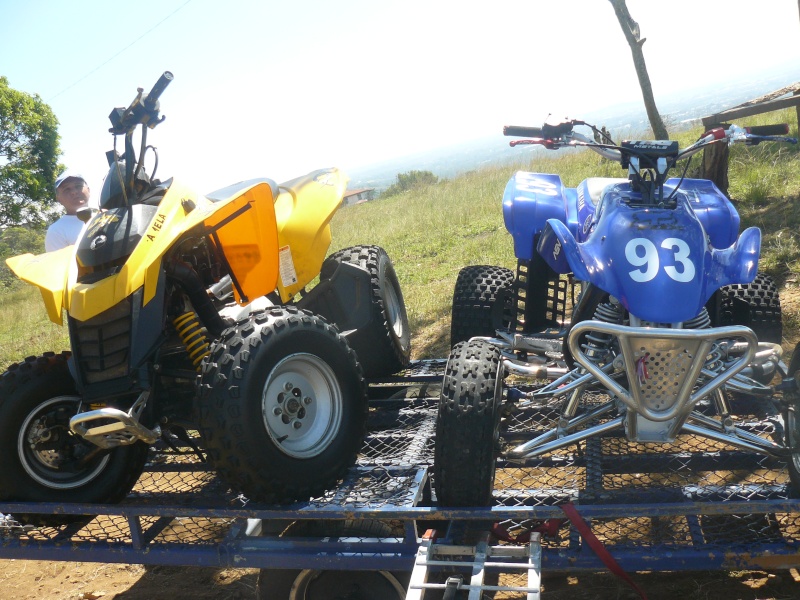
column 678, row 111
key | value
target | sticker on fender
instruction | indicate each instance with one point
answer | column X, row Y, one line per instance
column 286, row 266
column 651, row 262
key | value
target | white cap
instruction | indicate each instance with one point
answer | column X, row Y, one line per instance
column 67, row 175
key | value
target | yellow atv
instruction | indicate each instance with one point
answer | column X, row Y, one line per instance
column 190, row 312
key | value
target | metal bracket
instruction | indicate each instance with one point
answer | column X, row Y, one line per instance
column 123, row 430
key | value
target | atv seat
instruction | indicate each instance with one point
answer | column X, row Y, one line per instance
column 236, row 188
column 596, row 185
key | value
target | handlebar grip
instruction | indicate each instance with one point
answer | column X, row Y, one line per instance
column 520, row 131
column 158, row 88
column 778, row 129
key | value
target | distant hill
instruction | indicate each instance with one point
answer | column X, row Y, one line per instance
column 679, row 110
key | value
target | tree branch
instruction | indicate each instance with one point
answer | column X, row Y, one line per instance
column 630, row 29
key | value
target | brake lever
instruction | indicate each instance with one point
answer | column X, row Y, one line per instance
column 547, row 143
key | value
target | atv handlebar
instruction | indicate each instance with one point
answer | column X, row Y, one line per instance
column 158, row 89
column 648, row 162
column 143, row 110
column 558, row 135
column 779, row 129
column 548, row 131
column 519, row 131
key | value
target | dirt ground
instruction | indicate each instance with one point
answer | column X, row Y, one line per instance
column 23, row 580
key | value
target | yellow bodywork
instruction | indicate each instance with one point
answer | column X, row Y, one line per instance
column 304, row 209
column 268, row 242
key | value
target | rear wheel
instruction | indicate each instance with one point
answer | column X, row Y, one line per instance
column 384, row 345
column 482, row 302
column 756, row 305
column 468, row 425
column 792, row 426
column 315, row 584
column 43, row 461
column 283, row 405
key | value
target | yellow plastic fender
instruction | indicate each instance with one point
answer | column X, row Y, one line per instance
column 303, row 210
column 48, row 272
column 243, row 225
column 268, row 242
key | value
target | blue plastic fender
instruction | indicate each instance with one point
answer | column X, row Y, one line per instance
column 657, row 262
column 529, row 200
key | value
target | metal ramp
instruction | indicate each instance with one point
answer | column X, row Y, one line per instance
column 443, row 570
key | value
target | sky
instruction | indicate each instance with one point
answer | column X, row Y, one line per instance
column 279, row 88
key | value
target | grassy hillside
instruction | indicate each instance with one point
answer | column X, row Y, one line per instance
column 432, row 232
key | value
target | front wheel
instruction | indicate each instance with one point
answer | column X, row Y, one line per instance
column 282, row 405
column 43, row 461
column 468, row 425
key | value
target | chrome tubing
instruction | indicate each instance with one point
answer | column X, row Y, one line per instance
column 759, row 445
column 704, row 421
column 124, row 429
column 542, row 444
column 542, row 371
column 689, row 343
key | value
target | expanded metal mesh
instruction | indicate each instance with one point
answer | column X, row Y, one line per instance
column 388, row 474
column 609, row 469
column 605, row 470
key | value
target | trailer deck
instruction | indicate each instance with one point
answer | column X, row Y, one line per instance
column 691, row 505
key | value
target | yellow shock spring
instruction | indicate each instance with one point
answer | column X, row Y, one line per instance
column 193, row 337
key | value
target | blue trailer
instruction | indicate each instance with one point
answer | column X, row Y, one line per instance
column 695, row 505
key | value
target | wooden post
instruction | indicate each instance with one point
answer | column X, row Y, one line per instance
column 797, row 94
column 715, row 165
column 715, row 157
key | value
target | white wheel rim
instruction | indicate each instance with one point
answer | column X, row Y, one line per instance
column 393, row 312
column 301, row 405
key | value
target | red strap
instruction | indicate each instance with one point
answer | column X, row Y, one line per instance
column 598, row 547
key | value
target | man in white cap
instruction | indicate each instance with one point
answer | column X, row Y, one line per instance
column 72, row 193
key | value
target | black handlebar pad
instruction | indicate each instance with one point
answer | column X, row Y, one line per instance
column 520, row 131
column 158, row 89
column 778, row 129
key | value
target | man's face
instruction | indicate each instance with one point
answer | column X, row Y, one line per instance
column 72, row 194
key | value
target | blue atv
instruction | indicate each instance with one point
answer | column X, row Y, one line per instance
column 636, row 310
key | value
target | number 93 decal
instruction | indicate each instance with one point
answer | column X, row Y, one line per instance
column 641, row 252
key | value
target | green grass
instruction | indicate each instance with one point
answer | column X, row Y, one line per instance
column 432, row 232
column 25, row 329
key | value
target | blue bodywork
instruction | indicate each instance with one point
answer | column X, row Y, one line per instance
column 529, row 200
column 662, row 263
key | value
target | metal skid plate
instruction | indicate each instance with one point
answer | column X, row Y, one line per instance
column 691, row 504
